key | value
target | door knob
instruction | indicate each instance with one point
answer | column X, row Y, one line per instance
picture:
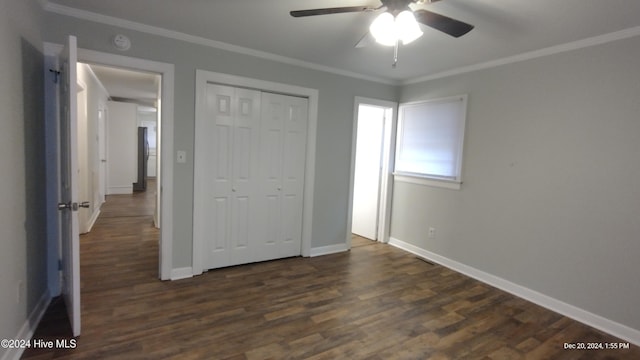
column 73, row 205
column 62, row 206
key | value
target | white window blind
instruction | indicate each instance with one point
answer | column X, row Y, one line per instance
column 431, row 137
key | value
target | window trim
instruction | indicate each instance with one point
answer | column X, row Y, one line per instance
column 427, row 180
column 431, row 179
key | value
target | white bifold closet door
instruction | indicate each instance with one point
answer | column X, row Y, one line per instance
column 282, row 162
column 248, row 197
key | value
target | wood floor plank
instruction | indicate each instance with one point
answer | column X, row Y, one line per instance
column 374, row 302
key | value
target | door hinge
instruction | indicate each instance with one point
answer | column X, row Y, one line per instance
column 56, row 75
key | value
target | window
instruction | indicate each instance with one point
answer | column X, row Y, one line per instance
column 430, row 139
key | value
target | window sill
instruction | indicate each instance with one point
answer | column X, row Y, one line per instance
column 427, row 181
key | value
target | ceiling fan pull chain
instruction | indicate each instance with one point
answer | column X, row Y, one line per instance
column 395, row 54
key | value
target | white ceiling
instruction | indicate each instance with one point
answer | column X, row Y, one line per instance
column 503, row 28
column 135, row 86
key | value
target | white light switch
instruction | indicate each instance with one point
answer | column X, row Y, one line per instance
column 182, row 156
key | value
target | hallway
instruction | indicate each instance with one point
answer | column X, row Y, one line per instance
column 121, row 248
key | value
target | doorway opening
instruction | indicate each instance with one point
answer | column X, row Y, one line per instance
column 371, row 177
column 163, row 204
column 118, row 123
column 117, row 126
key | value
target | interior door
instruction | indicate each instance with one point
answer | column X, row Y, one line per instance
column 68, row 205
column 368, row 163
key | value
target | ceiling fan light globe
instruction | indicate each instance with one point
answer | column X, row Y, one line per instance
column 407, row 28
column 387, row 30
column 383, row 29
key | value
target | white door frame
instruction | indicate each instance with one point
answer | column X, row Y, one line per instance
column 202, row 78
column 386, row 177
column 167, row 124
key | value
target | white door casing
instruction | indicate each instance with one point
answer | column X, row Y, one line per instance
column 69, row 225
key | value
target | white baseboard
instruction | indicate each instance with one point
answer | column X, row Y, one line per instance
column 181, row 273
column 29, row 326
column 94, row 218
column 611, row 327
column 120, row 190
column 330, row 249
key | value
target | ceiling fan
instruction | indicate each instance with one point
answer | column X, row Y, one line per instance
column 399, row 22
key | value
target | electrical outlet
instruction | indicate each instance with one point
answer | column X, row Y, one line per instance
column 182, row 156
column 432, row 233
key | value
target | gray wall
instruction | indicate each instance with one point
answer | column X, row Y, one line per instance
column 335, row 116
column 22, row 194
column 551, row 193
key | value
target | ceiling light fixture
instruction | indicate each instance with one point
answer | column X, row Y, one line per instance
column 389, row 30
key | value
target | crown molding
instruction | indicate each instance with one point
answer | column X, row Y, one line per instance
column 176, row 35
column 557, row 49
column 158, row 31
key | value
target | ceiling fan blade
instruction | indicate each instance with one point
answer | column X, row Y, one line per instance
column 366, row 40
column 443, row 23
column 325, row 11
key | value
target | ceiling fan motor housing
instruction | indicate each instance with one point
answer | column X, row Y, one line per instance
column 396, row 6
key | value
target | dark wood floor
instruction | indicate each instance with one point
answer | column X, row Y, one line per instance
column 374, row 302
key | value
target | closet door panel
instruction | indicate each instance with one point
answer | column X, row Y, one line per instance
column 241, row 221
column 220, row 224
column 270, row 172
column 219, row 105
column 246, row 137
column 294, row 155
column 218, row 173
column 246, row 147
column 283, row 160
column 230, row 162
column 250, row 176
